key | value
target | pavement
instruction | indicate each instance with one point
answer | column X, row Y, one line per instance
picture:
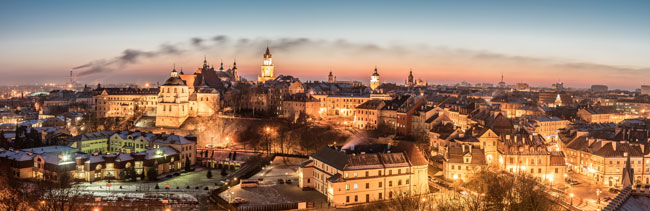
column 585, row 196
column 270, row 191
column 194, row 179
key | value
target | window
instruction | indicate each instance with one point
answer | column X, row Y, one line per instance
column 399, row 182
column 355, row 174
column 347, row 175
column 539, row 170
column 407, row 181
column 390, row 172
column 390, row 183
column 380, row 196
column 356, row 198
column 356, row 186
column 379, row 172
column 367, row 185
column 347, row 198
column 367, row 173
column 380, row 184
column 399, row 171
column 347, row 186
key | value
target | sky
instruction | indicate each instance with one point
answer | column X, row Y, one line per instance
column 579, row 43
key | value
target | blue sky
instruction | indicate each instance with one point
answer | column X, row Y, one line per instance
column 44, row 39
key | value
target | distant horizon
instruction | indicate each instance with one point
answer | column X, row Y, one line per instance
column 579, row 43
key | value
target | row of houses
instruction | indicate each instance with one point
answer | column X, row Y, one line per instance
column 104, row 155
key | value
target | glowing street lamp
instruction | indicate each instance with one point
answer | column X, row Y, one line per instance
column 571, row 195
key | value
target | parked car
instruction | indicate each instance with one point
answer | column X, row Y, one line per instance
column 614, row 190
column 289, row 181
column 280, row 181
column 606, row 199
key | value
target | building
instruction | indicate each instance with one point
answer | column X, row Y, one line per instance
column 375, row 81
column 409, row 80
column 598, row 115
column 522, row 87
column 266, row 73
column 366, row 115
column 177, row 101
column 299, row 104
column 92, row 142
column 517, row 152
column 353, row 175
column 549, row 127
column 185, row 145
column 125, row 102
column 645, row 89
column 599, row 88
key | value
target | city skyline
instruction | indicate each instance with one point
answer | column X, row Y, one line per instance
column 348, row 38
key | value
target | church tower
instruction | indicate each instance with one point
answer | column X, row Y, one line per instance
column 173, row 106
column 266, row 72
column 330, row 77
column 410, row 79
column 235, row 74
column 374, row 80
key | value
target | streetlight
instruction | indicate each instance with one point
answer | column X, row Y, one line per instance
column 231, row 195
column 598, row 195
column 571, row 195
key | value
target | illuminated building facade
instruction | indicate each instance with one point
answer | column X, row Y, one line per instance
column 354, row 175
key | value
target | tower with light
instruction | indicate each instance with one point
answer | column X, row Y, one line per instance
column 266, row 72
column 374, row 80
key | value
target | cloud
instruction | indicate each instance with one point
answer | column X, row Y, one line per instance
column 311, row 50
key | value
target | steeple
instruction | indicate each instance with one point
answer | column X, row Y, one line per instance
column 221, row 68
column 330, row 77
column 174, row 74
column 268, row 52
column 628, row 173
column 182, row 71
column 410, row 78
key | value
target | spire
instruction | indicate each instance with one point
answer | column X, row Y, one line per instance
column 628, row 173
column 501, row 76
column 234, row 64
column 221, row 68
column 182, row 71
column 174, row 73
column 205, row 60
column 268, row 52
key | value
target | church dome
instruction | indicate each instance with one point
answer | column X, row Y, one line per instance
column 174, row 80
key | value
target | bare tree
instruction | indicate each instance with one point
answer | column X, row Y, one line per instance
column 60, row 195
